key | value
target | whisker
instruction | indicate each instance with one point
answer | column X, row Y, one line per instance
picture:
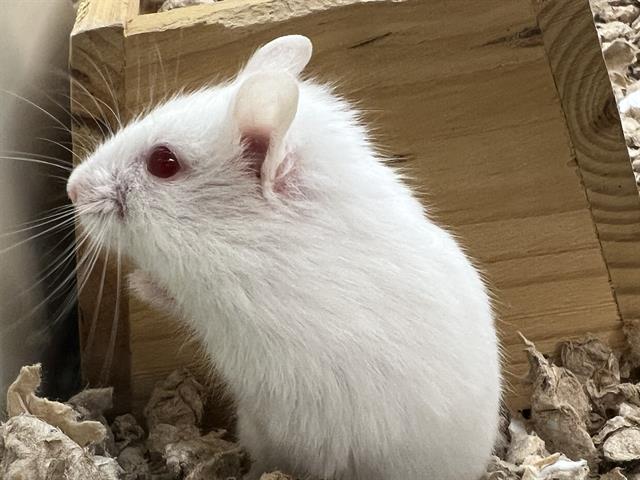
column 68, row 253
column 164, row 74
column 70, row 116
column 58, row 177
column 63, row 310
column 84, row 276
column 109, row 86
column 67, row 207
column 48, row 214
column 106, row 367
column 52, row 294
column 72, row 295
column 138, row 79
column 52, row 218
column 34, row 160
column 80, row 137
column 33, row 237
column 39, row 156
column 94, row 321
column 180, row 40
column 62, row 107
column 72, row 245
column 151, row 84
column 91, row 248
column 53, row 117
column 66, row 236
column 76, row 247
column 105, row 120
column 53, row 142
column 68, row 143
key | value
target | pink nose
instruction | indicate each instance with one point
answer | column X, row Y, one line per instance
column 72, row 191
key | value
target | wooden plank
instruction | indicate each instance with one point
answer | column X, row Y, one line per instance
column 465, row 103
column 97, row 94
column 531, row 236
column 236, row 14
column 590, row 109
column 97, row 61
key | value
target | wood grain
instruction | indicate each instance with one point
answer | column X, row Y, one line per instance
column 592, row 118
column 468, row 105
column 596, row 133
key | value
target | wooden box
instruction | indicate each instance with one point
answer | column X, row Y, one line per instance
column 502, row 112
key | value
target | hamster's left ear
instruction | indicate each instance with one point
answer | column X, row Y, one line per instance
column 266, row 103
column 263, row 109
column 290, row 54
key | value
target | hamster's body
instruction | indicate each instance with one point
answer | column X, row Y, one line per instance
column 355, row 336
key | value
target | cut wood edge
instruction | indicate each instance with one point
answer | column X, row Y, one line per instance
column 99, row 14
column 600, row 152
column 235, row 14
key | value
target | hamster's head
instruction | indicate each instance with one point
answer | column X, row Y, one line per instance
column 219, row 153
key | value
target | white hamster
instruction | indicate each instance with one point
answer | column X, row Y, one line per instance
column 355, row 335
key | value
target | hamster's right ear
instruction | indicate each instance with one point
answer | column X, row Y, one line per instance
column 290, row 54
column 264, row 107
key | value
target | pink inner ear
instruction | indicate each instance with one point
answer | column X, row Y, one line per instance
column 255, row 148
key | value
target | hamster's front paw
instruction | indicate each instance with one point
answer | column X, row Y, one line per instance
column 147, row 290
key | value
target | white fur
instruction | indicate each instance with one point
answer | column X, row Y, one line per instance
column 357, row 338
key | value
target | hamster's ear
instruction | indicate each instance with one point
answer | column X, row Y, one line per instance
column 264, row 107
column 289, row 54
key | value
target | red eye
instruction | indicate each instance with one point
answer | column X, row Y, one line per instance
column 163, row 163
